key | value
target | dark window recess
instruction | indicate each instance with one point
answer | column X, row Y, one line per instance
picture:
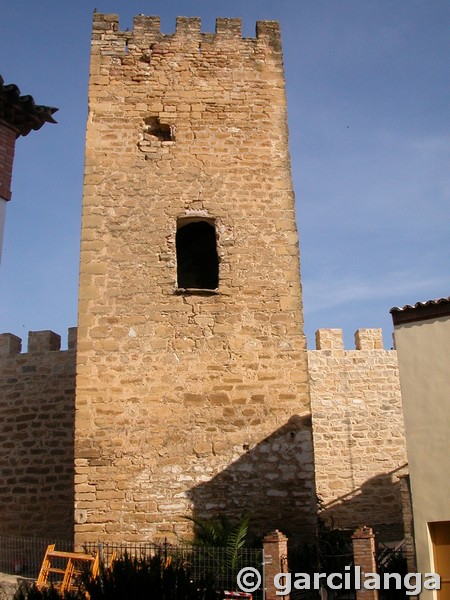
column 197, row 259
column 161, row 131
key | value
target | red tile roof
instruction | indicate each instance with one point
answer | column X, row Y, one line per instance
column 21, row 113
column 421, row 311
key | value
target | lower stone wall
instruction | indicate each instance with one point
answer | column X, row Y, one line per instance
column 358, row 430
column 357, row 424
column 37, row 405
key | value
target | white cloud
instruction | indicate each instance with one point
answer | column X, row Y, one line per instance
column 325, row 294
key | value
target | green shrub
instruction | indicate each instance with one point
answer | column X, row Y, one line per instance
column 31, row 592
column 157, row 578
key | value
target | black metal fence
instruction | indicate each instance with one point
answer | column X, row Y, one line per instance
column 203, row 563
column 332, row 554
column 23, row 556
column 392, row 560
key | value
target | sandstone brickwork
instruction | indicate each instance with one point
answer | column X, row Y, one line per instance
column 37, row 391
column 355, row 404
column 194, row 389
column 189, row 401
column 359, row 443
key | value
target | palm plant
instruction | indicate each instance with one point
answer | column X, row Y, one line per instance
column 221, row 534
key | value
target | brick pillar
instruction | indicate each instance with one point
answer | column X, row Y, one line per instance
column 408, row 523
column 364, row 557
column 7, row 145
column 275, row 557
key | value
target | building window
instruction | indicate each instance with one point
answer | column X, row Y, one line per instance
column 197, row 258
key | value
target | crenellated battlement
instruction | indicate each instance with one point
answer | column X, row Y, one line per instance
column 151, row 26
column 38, row 342
column 365, row 339
column 49, row 341
column 147, row 31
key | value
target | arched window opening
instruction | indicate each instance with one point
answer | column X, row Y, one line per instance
column 197, row 258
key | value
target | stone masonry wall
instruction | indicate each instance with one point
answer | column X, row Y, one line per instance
column 359, row 443
column 193, row 401
column 189, row 402
column 37, row 394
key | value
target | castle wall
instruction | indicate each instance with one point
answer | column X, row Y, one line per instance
column 193, row 401
column 189, row 402
column 359, row 442
column 356, row 412
column 37, row 394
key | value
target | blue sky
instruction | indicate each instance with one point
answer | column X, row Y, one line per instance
column 368, row 100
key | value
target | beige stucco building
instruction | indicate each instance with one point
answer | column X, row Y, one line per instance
column 422, row 339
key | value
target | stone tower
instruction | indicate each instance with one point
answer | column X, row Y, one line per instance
column 192, row 390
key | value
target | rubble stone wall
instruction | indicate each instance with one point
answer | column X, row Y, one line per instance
column 356, row 414
column 358, row 428
column 37, row 410
column 189, row 401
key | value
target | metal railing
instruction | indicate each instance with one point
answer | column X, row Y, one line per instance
column 23, row 556
column 392, row 560
column 203, row 563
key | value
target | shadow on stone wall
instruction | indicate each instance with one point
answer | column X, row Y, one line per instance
column 379, row 495
column 273, row 481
